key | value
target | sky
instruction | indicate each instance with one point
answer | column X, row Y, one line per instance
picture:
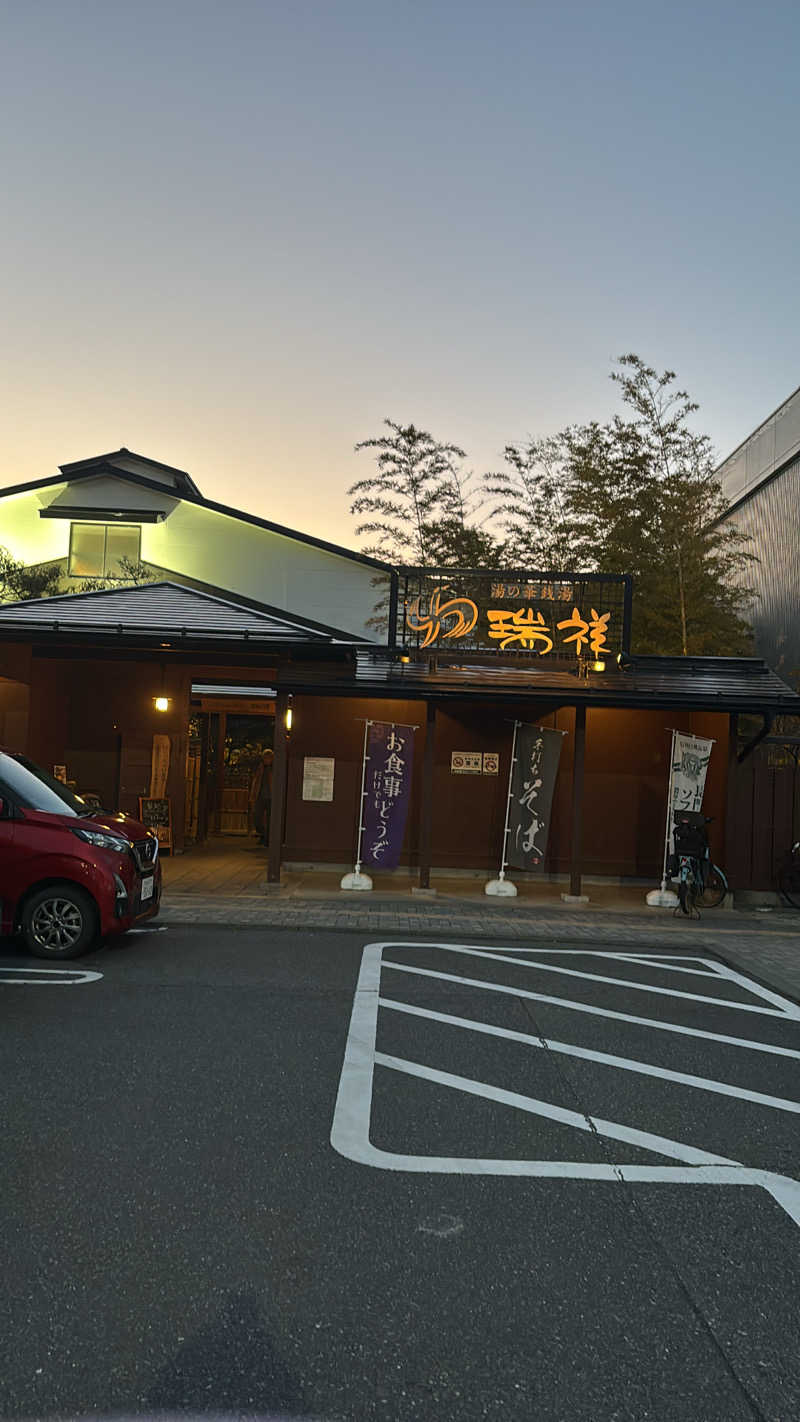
column 236, row 236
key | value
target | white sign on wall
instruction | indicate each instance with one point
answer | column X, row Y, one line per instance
column 491, row 762
column 466, row 763
column 318, row 777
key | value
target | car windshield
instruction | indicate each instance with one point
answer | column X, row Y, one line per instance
column 34, row 789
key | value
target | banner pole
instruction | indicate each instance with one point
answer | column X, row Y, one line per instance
column 501, row 887
column 664, row 897
column 357, row 880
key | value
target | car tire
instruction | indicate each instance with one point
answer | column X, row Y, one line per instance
column 59, row 921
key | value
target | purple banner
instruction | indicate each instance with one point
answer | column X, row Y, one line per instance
column 387, row 786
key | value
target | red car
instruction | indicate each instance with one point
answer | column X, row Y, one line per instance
column 69, row 875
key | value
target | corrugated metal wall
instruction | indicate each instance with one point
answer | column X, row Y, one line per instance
column 772, row 519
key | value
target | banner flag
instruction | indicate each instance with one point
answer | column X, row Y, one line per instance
column 690, row 757
column 387, row 789
column 532, row 785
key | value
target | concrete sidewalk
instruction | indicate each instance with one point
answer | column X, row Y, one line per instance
column 764, row 945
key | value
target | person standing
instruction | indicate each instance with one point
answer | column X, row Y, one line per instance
column 261, row 796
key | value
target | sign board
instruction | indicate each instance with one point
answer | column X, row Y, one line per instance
column 318, row 777
column 156, row 814
column 466, row 763
column 573, row 615
column 491, row 762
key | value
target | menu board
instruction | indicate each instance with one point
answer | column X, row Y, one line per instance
column 318, row 777
column 156, row 814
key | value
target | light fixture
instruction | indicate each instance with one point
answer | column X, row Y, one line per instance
column 405, row 661
column 287, row 720
column 597, row 666
column 161, row 703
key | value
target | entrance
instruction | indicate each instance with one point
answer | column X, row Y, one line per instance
column 228, row 734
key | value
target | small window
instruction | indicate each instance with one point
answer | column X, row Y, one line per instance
column 96, row 550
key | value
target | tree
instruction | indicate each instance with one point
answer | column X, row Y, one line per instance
column 417, row 485
column 646, row 501
column 19, row 582
column 130, row 574
column 532, row 506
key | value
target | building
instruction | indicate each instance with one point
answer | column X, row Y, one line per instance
column 252, row 635
column 761, row 484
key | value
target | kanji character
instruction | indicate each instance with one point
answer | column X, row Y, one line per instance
column 524, row 626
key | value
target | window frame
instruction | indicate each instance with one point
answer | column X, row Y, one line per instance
column 95, row 523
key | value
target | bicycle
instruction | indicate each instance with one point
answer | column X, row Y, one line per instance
column 699, row 881
column 789, row 877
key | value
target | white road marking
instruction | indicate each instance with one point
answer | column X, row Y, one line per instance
column 44, row 977
column 790, row 1011
column 350, row 1132
column 740, row 1093
column 592, row 1011
column 645, row 1140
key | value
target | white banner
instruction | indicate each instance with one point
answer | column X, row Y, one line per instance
column 690, row 757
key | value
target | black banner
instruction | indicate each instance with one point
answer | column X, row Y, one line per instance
column 532, row 783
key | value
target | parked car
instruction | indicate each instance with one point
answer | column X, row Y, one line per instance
column 69, row 875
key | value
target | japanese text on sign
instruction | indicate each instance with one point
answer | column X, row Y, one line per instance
column 510, row 627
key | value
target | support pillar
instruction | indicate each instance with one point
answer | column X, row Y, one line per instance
column 576, row 860
column 730, row 797
column 426, row 814
column 279, row 767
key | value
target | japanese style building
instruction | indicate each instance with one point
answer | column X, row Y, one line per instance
column 251, row 635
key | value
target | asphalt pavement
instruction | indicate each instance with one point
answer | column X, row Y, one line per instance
column 347, row 1176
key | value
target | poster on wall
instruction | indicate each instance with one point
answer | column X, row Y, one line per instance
column 466, row 763
column 538, row 751
column 318, row 777
column 387, row 788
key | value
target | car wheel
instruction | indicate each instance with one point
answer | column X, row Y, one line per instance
column 59, row 922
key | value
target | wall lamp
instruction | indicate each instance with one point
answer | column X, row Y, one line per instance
column 287, row 720
column 161, row 703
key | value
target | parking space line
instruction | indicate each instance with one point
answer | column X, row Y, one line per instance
column 351, row 1126
column 593, row 1011
column 645, row 1140
column 567, row 1049
column 619, row 982
column 48, row 977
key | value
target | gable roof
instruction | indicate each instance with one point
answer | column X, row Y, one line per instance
column 103, row 462
column 165, row 608
column 31, row 485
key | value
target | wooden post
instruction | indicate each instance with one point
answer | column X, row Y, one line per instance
column 279, row 766
column 576, row 864
column 426, row 813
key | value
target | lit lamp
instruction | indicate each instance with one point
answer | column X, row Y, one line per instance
column 161, row 703
column 287, row 720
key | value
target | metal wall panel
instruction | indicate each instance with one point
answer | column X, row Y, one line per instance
column 772, row 519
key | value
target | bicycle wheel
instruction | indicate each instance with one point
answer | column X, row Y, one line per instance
column 789, row 882
column 717, row 887
column 685, row 893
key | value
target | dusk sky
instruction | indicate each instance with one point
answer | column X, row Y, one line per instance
column 238, row 235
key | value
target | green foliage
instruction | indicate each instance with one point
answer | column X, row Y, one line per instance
column 531, row 505
column 19, row 582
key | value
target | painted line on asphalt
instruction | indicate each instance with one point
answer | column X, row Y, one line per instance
column 791, row 1010
column 48, row 977
column 350, row 1131
column 591, row 1010
column 567, row 1049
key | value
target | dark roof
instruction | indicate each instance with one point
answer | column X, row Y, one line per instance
column 164, row 608
column 98, row 463
column 193, row 498
column 703, row 683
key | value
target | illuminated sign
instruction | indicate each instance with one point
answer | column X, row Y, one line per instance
column 572, row 616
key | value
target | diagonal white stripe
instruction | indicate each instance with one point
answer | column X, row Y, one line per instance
column 596, row 1011
column 777, row 1103
column 643, row 1139
column 616, row 982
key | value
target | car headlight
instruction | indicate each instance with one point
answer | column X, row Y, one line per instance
column 102, row 840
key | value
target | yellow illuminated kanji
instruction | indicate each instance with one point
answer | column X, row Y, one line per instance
column 594, row 632
column 524, row 626
column 463, row 609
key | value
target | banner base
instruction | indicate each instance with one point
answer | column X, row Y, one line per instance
column 662, row 898
column 356, row 880
column 501, row 889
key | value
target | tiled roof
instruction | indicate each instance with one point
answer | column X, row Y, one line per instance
column 166, row 608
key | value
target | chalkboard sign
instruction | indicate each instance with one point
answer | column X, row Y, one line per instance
column 157, row 815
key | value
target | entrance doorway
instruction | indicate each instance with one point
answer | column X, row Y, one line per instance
column 228, row 734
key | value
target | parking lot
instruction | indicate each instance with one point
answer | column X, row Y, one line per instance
column 331, row 1176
